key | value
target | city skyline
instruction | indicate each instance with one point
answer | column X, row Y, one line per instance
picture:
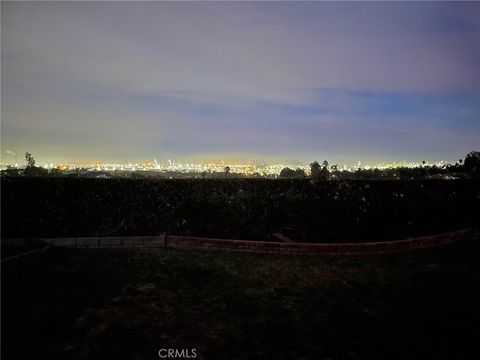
column 116, row 81
column 249, row 167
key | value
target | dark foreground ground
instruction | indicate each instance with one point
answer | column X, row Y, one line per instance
column 129, row 304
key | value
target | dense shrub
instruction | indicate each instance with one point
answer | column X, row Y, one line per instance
column 237, row 208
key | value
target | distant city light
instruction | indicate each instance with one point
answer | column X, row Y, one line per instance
column 250, row 168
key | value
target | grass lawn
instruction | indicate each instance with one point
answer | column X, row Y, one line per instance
column 128, row 304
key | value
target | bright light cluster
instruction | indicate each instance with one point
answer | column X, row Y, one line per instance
column 250, row 168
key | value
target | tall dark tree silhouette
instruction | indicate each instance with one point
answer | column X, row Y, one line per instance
column 31, row 169
column 30, row 160
column 315, row 170
column 325, row 173
column 472, row 163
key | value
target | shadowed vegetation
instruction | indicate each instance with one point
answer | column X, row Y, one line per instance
column 323, row 211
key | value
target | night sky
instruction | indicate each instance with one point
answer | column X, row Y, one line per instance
column 346, row 81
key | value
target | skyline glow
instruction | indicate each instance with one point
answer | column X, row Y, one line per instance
column 338, row 81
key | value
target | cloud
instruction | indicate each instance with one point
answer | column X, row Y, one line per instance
column 271, row 78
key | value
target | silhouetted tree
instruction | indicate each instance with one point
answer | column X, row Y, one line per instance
column 227, row 171
column 472, row 163
column 315, row 170
column 30, row 160
column 31, row 169
column 288, row 173
column 324, row 173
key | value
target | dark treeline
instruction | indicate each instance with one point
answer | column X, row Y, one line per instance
column 468, row 168
column 306, row 210
column 328, row 205
column 400, row 173
column 463, row 169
